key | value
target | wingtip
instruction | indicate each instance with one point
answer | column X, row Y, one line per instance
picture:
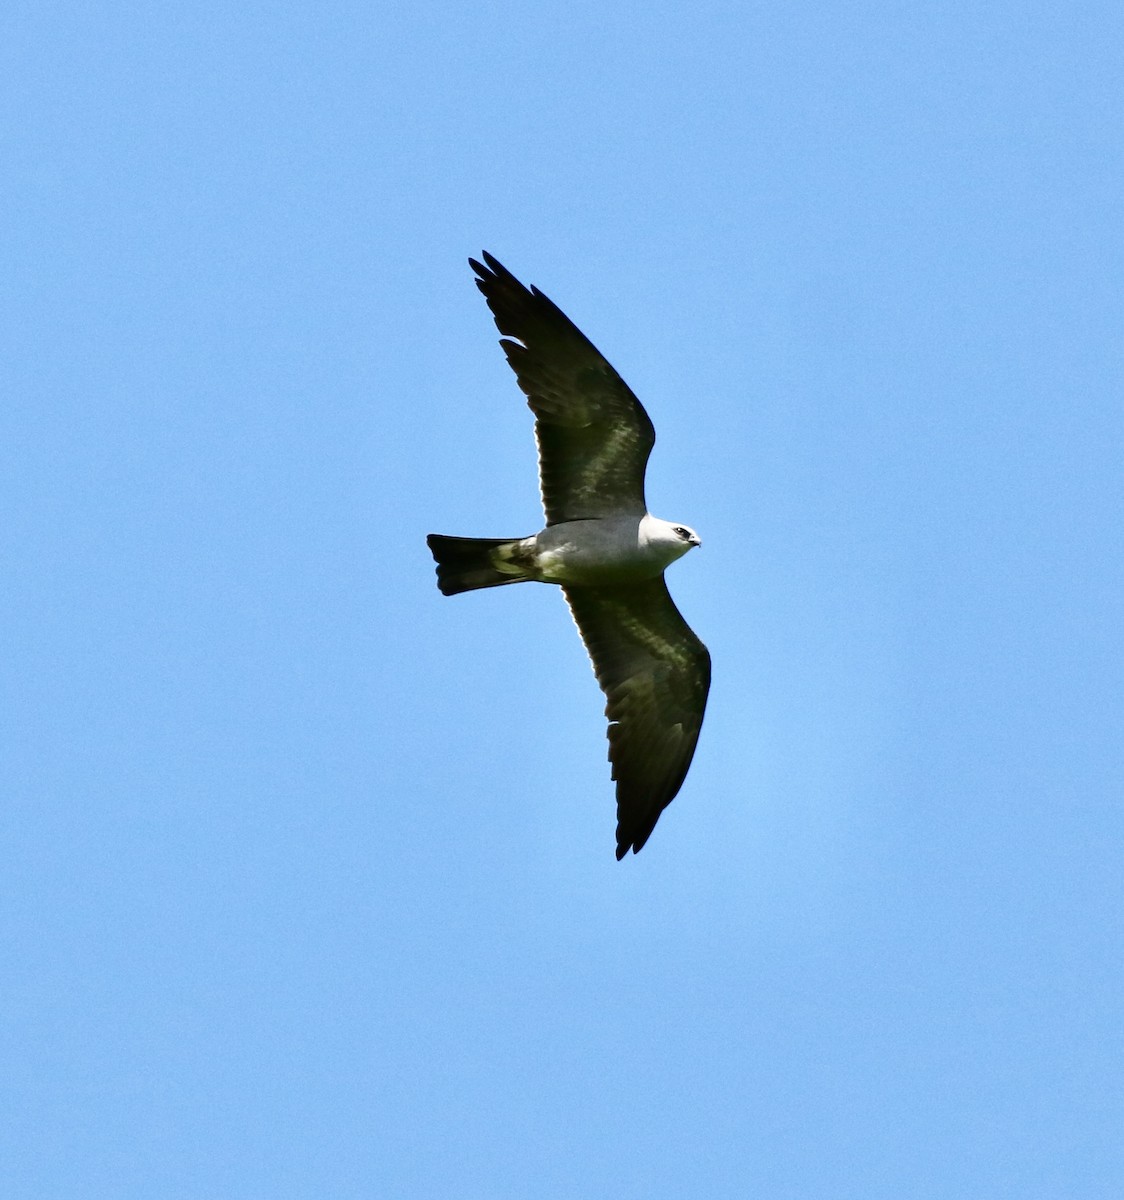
column 633, row 844
column 491, row 266
column 634, row 840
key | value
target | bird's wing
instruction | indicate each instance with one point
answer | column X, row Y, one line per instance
column 593, row 434
column 655, row 674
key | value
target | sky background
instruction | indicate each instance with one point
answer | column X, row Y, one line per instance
column 307, row 886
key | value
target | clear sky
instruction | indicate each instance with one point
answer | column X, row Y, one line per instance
column 307, row 886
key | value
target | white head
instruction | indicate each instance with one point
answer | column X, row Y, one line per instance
column 670, row 539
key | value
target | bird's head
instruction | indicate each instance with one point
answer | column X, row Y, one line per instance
column 669, row 539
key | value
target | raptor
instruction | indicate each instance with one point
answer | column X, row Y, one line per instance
column 600, row 545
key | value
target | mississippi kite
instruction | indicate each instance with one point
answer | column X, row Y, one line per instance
column 601, row 545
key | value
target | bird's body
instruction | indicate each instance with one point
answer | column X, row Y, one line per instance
column 595, row 552
column 601, row 545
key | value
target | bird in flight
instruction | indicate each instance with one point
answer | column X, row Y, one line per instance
column 601, row 545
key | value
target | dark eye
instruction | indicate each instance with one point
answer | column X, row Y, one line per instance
column 683, row 533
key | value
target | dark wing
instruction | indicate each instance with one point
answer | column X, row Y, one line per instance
column 594, row 436
column 655, row 675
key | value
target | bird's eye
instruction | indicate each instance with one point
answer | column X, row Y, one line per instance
column 683, row 533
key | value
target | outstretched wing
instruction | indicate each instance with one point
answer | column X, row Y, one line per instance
column 655, row 674
column 593, row 434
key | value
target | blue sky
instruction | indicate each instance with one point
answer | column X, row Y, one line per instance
column 307, row 884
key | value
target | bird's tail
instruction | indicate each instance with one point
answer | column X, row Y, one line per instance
column 465, row 564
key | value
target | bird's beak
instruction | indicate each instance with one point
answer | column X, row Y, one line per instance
column 696, row 541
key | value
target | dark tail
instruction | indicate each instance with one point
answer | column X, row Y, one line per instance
column 465, row 564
